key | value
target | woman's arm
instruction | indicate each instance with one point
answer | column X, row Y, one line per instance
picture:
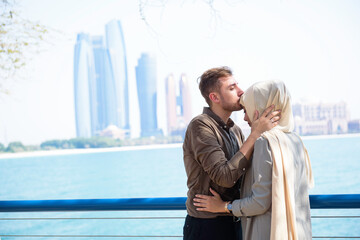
column 260, row 199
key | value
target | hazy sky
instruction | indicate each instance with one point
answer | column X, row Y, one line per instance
column 313, row 46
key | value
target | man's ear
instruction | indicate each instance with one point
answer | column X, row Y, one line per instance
column 214, row 97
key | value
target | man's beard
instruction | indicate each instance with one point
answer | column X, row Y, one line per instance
column 231, row 106
column 234, row 107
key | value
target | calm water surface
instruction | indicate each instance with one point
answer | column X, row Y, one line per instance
column 152, row 173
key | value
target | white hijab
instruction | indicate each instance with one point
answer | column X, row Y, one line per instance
column 258, row 97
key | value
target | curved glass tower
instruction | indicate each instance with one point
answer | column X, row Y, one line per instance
column 147, row 94
column 84, row 87
column 105, row 85
column 116, row 47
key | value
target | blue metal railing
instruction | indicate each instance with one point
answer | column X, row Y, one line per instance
column 339, row 201
column 121, row 204
column 342, row 201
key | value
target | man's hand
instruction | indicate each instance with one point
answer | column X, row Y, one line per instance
column 266, row 122
column 212, row 204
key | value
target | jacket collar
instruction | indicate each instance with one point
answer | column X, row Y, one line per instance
column 210, row 113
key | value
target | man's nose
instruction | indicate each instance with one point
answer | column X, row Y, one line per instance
column 240, row 92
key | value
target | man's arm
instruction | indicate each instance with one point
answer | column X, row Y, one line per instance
column 207, row 151
column 267, row 121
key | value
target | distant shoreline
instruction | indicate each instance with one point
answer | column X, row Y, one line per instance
column 131, row 148
column 347, row 135
column 86, row 150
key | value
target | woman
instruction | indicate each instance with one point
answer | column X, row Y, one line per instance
column 274, row 202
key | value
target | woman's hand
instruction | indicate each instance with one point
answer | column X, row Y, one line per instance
column 209, row 203
column 266, row 121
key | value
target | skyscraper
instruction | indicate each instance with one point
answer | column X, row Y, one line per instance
column 178, row 102
column 116, row 46
column 84, row 81
column 171, row 103
column 147, row 94
column 105, row 85
column 186, row 98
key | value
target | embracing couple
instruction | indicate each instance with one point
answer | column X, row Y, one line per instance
column 245, row 189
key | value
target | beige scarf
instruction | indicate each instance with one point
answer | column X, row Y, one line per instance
column 258, row 97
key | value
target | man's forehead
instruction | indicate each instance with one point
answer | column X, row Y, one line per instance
column 227, row 81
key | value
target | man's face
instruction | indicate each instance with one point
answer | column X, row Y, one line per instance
column 230, row 94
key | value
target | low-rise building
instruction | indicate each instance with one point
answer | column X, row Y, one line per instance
column 321, row 118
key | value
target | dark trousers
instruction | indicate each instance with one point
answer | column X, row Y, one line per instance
column 219, row 228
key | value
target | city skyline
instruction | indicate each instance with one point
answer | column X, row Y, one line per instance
column 101, row 89
column 310, row 45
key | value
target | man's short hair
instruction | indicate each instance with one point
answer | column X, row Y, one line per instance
column 209, row 81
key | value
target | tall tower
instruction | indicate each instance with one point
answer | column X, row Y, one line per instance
column 171, row 103
column 147, row 94
column 116, row 46
column 185, row 94
column 105, row 85
column 84, row 87
column 178, row 105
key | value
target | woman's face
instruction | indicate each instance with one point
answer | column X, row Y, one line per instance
column 246, row 117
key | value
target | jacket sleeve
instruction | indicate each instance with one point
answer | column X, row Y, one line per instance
column 260, row 199
column 208, row 152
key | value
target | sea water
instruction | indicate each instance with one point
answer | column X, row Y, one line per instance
column 147, row 172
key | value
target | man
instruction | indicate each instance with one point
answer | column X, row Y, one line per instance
column 216, row 156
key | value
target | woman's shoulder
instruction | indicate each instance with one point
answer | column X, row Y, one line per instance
column 261, row 143
column 261, row 140
column 262, row 152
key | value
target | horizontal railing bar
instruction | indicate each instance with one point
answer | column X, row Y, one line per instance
column 94, row 236
column 132, row 218
column 335, row 201
column 335, row 237
column 130, row 204
column 335, row 216
column 123, row 204
column 141, row 236
column 93, row 218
